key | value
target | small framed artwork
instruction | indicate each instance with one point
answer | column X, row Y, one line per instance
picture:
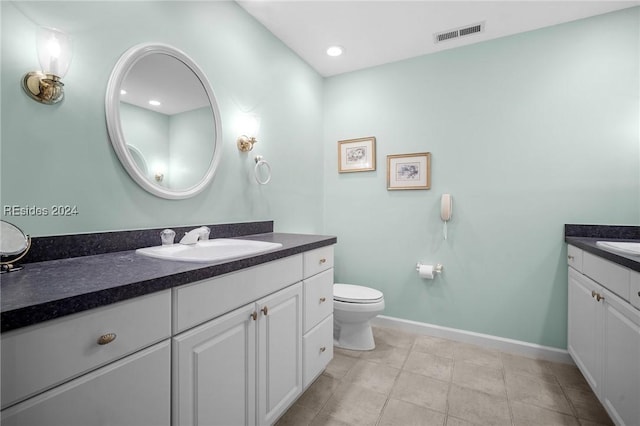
column 357, row 155
column 409, row 171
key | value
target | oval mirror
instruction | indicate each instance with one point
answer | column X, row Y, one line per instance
column 163, row 121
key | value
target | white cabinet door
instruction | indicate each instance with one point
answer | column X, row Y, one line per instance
column 214, row 372
column 585, row 327
column 279, row 352
column 132, row 391
column 621, row 362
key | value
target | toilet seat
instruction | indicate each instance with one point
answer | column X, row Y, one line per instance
column 350, row 293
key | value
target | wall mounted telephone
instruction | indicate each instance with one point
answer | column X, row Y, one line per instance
column 446, row 210
column 446, row 207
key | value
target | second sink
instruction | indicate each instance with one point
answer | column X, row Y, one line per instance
column 624, row 247
column 215, row 250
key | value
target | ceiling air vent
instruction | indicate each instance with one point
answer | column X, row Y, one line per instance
column 458, row 32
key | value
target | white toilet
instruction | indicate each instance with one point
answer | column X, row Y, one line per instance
column 353, row 307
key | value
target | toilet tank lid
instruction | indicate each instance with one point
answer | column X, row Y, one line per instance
column 355, row 293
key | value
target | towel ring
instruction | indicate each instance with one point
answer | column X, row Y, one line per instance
column 262, row 162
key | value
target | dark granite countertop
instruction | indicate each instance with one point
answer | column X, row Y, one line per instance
column 54, row 288
column 586, row 236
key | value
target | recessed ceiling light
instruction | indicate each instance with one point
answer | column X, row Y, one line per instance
column 154, row 102
column 335, row 51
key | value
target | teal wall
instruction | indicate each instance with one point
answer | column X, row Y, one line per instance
column 61, row 154
column 527, row 133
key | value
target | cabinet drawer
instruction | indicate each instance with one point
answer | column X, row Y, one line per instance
column 204, row 300
column 574, row 257
column 614, row 277
column 317, row 346
column 132, row 391
column 318, row 298
column 44, row 355
column 318, row 260
column 634, row 296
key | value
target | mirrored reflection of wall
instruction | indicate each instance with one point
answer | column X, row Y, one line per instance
column 178, row 146
column 149, row 132
column 190, row 138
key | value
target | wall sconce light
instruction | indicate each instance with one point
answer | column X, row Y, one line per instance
column 54, row 53
column 159, row 177
column 249, row 125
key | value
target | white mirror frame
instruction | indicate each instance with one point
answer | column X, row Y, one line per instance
column 114, row 126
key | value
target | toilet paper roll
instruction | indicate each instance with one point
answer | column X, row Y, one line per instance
column 426, row 271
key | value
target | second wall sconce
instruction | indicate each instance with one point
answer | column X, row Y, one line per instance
column 249, row 125
column 54, row 54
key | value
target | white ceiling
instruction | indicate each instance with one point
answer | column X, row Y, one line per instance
column 378, row 32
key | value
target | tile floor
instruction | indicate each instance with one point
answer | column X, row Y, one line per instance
column 420, row 380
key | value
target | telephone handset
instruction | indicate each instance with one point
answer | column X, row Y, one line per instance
column 446, row 207
column 446, row 210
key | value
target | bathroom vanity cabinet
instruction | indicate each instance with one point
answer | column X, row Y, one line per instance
column 604, row 331
column 238, row 348
column 109, row 365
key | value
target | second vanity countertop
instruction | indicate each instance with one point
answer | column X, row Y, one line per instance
column 585, row 237
column 55, row 288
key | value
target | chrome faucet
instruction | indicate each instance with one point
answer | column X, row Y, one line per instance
column 192, row 237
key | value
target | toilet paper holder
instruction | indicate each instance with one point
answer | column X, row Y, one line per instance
column 437, row 268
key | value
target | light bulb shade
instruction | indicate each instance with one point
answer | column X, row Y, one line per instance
column 249, row 125
column 54, row 51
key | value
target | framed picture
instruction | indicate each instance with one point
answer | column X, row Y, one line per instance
column 409, row 171
column 357, row 155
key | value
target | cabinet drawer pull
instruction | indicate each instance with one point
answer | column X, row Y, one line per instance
column 599, row 297
column 106, row 338
column 323, row 260
column 593, row 293
column 322, row 349
column 323, row 299
column 254, row 315
column 570, row 257
column 265, row 310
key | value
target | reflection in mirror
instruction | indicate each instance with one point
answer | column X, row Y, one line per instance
column 13, row 242
column 138, row 158
column 159, row 101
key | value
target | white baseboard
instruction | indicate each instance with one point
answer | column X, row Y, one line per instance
column 485, row 340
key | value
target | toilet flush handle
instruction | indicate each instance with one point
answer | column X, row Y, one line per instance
column 323, row 299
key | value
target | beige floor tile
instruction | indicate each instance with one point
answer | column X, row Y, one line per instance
column 484, row 379
column 322, row 420
column 454, row 421
column 393, row 337
column 398, row 412
column 477, row 355
column 387, row 354
column 429, row 365
column 340, row 366
column 421, row 390
column 533, row 367
column 587, row 406
column 435, row 345
column 478, row 407
column 377, row 377
column 318, row 393
column 530, row 415
column 531, row 390
column 569, row 375
column 297, row 415
column 348, row 352
column 355, row 405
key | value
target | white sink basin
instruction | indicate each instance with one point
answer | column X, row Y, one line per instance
column 620, row 247
column 210, row 250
